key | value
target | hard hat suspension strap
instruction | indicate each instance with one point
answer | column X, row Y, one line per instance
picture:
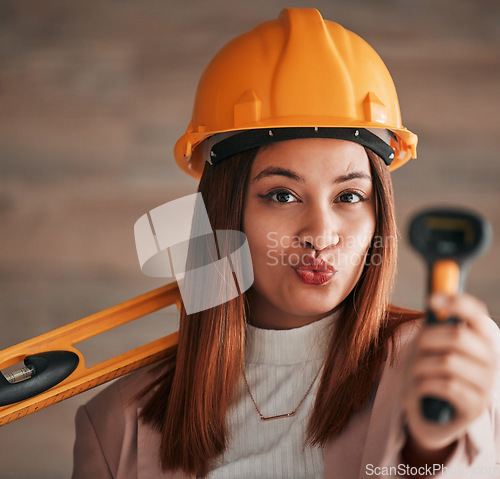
column 249, row 139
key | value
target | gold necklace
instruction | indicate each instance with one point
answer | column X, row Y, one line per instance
column 279, row 416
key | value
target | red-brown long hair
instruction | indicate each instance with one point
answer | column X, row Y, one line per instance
column 190, row 400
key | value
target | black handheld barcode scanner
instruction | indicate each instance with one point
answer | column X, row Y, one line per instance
column 448, row 239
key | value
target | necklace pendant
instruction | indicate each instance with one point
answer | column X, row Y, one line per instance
column 280, row 416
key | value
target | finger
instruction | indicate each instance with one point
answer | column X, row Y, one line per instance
column 455, row 367
column 467, row 401
column 466, row 308
column 446, row 339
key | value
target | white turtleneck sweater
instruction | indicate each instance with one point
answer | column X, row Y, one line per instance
column 280, row 367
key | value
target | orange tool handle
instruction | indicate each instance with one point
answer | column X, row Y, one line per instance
column 445, row 278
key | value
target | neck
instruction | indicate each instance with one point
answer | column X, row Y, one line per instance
column 264, row 315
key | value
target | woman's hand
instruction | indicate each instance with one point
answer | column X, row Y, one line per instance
column 456, row 363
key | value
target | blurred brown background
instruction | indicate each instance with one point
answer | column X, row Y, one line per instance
column 93, row 95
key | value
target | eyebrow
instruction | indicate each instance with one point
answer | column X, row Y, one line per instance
column 353, row 176
column 278, row 171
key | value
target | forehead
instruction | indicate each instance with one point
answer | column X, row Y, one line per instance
column 315, row 157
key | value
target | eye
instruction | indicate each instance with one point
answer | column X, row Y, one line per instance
column 280, row 196
column 351, row 197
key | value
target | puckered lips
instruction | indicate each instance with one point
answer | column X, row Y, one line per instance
column 315, row 271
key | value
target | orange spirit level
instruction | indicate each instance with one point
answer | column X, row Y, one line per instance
column 55, row 370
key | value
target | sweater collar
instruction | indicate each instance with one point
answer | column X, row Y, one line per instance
column 289, row 346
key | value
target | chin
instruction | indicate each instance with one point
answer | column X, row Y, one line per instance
column 311, row 306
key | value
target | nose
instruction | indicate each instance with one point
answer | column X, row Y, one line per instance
column 321, row 230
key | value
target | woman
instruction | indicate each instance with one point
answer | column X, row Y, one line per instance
column 311, row 373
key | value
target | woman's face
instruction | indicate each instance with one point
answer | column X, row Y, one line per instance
column 309, row 216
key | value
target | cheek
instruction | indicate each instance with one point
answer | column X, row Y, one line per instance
column 263, row 241
column 270, row 249
column 355, row 244
column 365, row 235
column 266, row 249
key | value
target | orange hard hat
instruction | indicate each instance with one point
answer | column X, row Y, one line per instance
column 295, row 77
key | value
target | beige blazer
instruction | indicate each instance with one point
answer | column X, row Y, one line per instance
column 112, row 442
